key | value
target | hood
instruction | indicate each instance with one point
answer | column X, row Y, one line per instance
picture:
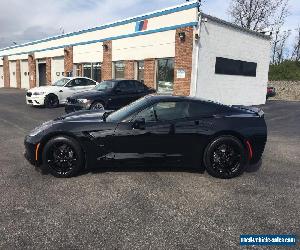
column 86, row 115
column 45, row 89
column 89, row 94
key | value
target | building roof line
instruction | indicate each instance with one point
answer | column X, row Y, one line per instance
column 235, row 26
column 147, row 32
column 169, row 10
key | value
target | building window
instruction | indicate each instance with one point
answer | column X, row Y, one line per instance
column 119, row 70
column 92, row 70
column 96, row 68
column 87, row 70
column 227, row 66
column 165, row 75
column 140, row 70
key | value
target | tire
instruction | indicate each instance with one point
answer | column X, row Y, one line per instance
column 51, row 101
column 63, row 157
column 225, row 157
column 97, row 106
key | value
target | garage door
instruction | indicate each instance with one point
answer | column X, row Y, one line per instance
column 1, row 77
column 12, row 74
column 57, row 68
column 24, row 74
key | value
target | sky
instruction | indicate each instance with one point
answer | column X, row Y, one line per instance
column 23, row 21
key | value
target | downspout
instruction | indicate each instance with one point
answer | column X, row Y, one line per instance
column 196, row 52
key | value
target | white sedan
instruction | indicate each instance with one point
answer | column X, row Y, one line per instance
column 57, row 93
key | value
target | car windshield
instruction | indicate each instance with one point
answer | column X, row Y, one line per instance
column 105, row 85
column 61, row 82
column 126, row 111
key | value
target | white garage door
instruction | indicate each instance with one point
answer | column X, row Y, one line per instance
column 1, row 77
column 12, row 74
column 24, row 74
column 57, row 68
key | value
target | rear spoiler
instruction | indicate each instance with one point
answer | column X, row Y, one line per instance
column 256, row 110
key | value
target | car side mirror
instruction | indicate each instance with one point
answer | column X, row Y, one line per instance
column 139, row 124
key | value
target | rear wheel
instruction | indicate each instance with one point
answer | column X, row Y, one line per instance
column 51, row 101
column 62, row 157
column 225, row 157
column 97, row 106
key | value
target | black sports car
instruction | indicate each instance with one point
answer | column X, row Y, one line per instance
column 110, row 94
column 157, row 129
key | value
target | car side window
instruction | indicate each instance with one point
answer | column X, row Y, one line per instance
column 126, row 86
column 165, row 111
column 70, row 84
column 89, row 82
column 197, row 109
column 140, row 87
column 79, row 82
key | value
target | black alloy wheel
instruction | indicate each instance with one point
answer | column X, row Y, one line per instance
column 51, row 101
column 97, row 106
column 225, row 157
column 62, row 156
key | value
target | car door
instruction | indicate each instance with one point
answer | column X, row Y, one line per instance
column 154, row 140
column 66, row 91
column 124, row 93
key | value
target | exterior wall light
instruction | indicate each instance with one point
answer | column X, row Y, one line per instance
column 105, row 47
column 182, row 36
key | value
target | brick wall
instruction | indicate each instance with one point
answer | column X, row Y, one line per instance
column 183, row 61
column 106, row 69
column 129, row 69
column 48, row 70
column 32, row 71
column 68, row 60
column 149, row 72
column 6, row 72
column 18, row 73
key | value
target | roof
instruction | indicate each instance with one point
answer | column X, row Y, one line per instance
column 160, row 12
column 235, row 26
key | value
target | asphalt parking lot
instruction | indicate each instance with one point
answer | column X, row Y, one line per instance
column 142, row 208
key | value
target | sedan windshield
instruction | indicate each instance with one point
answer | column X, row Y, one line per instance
column 127, row 111
column 62, row 82
column 105, row 85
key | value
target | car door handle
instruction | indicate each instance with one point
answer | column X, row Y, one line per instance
column 60, row 91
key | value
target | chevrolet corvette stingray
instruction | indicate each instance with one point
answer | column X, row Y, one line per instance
column 154, row 129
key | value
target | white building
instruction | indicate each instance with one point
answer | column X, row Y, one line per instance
column 178, row 50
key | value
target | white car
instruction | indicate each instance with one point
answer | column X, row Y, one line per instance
column 57, row 93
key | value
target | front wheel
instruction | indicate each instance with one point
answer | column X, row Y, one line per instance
column 63, row 157
column 97, row 106
column 225, row 157
column 51, row 101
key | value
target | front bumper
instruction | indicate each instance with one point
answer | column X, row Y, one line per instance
column 35, row 100
column 29, row 152
column 69, row 107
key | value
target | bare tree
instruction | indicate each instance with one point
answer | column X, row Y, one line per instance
column 259, row 15
column 280, row 50
column 296, row 50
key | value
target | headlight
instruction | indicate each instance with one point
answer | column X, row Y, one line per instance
column 84, row 101
column 38, row 93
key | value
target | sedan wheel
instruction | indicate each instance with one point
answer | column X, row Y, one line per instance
column 51, row 101
column 225, row 157
column 97, row 106
column 62, row 156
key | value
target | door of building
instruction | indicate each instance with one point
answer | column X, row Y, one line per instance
column 42, row 74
